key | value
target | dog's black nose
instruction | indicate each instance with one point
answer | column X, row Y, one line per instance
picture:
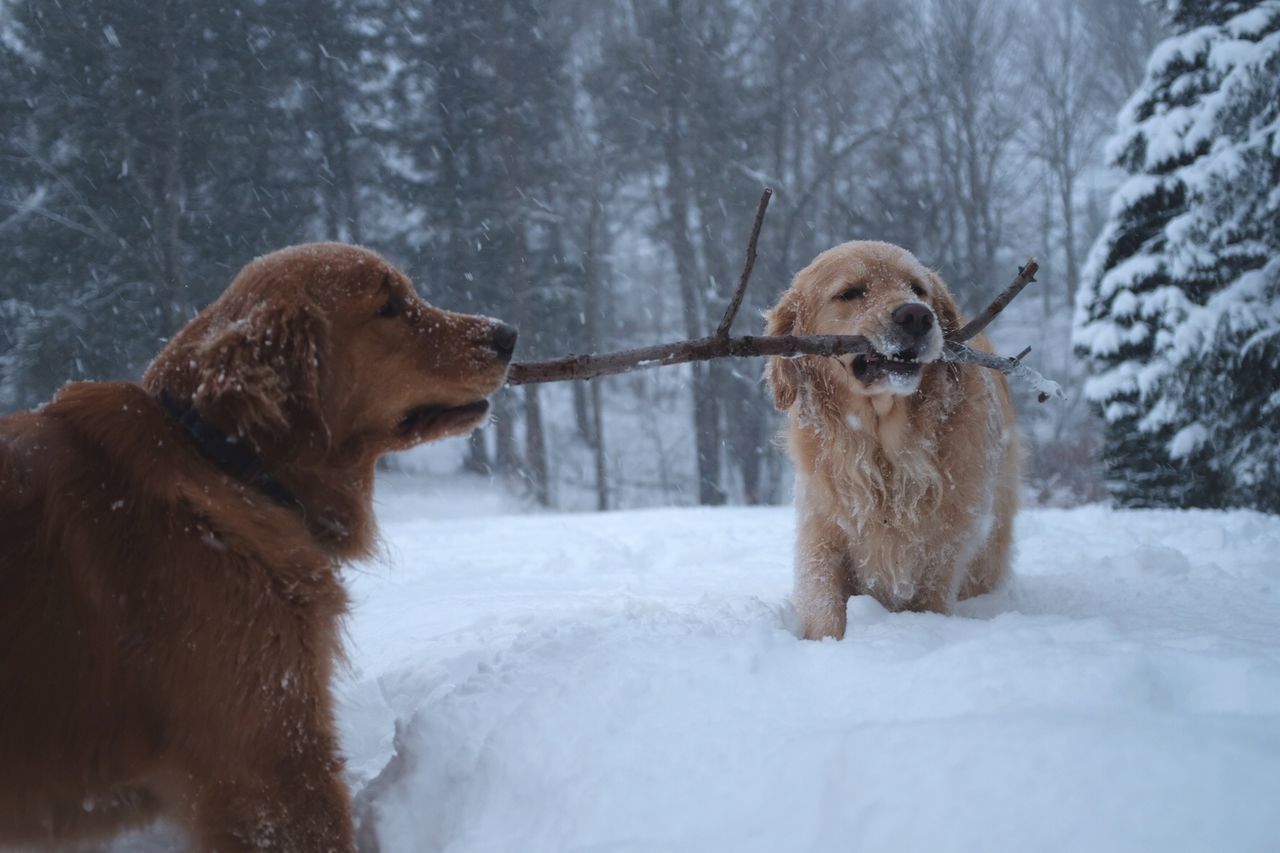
column 915, row 318
column 503, row 340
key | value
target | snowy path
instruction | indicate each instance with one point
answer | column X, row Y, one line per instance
column 628, row 682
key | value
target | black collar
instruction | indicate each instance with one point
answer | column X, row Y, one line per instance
column 234, row 457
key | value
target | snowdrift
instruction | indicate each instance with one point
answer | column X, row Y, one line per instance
column 630, row 682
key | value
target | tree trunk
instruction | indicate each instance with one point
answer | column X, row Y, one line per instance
column 602, row 474
column 705, row 411
column 535, row 447
column 340, row 197
column 170, row 195
column 535, row 456
column 1069, row 234
column 506, row 457
column 592, row 315
column 477, row 459
column 582, row 414
column 534, row 468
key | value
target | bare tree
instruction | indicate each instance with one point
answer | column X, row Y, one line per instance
column 965, row 67
column 593, row 312
column 1122, row 34
column 1066, row 123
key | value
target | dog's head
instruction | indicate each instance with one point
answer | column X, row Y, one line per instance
column 876, row 290
column 328, row 345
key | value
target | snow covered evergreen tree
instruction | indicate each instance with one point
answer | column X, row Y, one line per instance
column 145, row 153
column 1179, row 310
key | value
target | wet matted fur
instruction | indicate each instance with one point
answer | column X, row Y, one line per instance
column 169, row 633
column 906, row 466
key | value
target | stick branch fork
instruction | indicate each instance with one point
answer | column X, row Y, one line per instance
column 722, row 331
column 721, row 345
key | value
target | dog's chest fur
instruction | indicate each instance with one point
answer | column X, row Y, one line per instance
column 884, row 481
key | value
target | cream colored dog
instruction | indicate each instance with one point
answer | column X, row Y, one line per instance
column 906, row 466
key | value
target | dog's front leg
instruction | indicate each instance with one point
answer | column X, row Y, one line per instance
column 823, row 582
column 292, row 801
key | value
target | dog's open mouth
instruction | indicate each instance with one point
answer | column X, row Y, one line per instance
column 435, row 417
column 870, row 367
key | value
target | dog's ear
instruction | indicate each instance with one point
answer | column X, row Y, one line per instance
column 943, row 305
column 261, row 372
column 782, row 374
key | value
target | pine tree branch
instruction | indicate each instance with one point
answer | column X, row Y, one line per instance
column 721, row 345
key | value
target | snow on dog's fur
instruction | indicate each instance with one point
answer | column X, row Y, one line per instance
column 170, row 631
column 906, row 466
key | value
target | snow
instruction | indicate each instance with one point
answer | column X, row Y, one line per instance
column 1038, row 382
column 1121, row 379
column 630, row 681
column 1129, row 272
column 1188, row 440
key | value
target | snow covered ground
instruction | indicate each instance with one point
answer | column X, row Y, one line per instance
column 630, row 682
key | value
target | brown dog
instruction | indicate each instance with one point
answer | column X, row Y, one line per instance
column 169, row 596
column 906, row 467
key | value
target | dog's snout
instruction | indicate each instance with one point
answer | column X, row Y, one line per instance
column 503, row 340
column 914, row 318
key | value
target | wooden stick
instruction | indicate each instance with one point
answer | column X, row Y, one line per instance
column 722, row 331
column 958, row 353
column 680, row 352
column 1026, row 275
column 721, row 345
column 589, row 366
column 713, row 346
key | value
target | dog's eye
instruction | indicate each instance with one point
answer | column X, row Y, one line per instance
column 851, row 293
column 390, row 308
column 917, row 289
